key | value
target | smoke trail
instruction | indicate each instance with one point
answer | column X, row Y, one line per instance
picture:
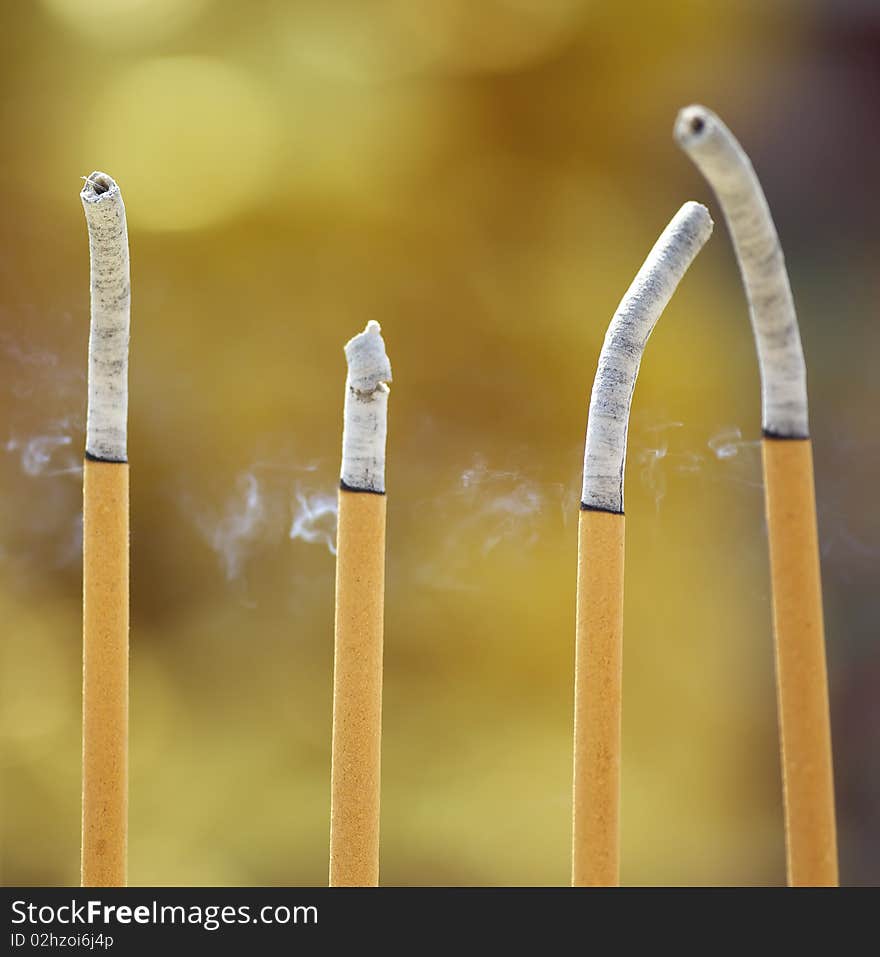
column 652, row 475
column 733, row 459
column 728, row 443
column 653, row 460
column 50, row 535
column 266, row 507
column 483, row 510
column 38, row 455
column 239, row 526
column 315, row 519
column 502, row 505
column 42, row 514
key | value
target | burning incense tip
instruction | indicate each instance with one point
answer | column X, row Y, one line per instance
column 106, row 429
column 728, row 170
column 632, row 324
column 365, row 423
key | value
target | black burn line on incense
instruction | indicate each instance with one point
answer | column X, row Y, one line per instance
column 351, row 488
column 97, row 458
column 596, row 508
column 778, row 436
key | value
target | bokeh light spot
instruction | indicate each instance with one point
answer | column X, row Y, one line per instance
column 125, row 21
column 192, row 140
column 461, row 36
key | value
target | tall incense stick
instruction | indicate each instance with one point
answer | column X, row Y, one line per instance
column 105, row 544
column 801, row 679
column 599, row 639
column 360, row 601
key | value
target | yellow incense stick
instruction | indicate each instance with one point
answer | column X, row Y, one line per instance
column 360, row 599
column 598, row 677
column 357, row 690
column 105, row 674
column 105, row 545
column 811, row 843
column 801, row 682
column 599, row 633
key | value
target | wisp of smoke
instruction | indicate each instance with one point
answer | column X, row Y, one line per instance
column 652, row 475
column 484, row 509
column 265, row 508
column 315, row 519
column 42, row 447
column 659, row 459
column 240, row 524
column 37, row 455
column 509, row 512
column 38, row 369
column 34, row 357
column 652, row 458
column 58, row 521
column 510, row 506
column 729, row 442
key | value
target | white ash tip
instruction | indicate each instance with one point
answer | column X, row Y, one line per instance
column 696, row 218
column 107, row 416
column 694, row 125
column 368, row 365
column 365, row 418
column 98, row 186
column 628, row 333
column 727, row 168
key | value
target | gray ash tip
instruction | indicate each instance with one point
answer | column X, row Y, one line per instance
column 97, row 184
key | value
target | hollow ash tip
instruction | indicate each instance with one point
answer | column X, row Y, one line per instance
column 98, row 185
column 692, row 125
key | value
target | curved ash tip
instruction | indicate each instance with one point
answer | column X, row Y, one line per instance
column 621, row 354
column 369, row 367
column 695, row 125
column 98, row 186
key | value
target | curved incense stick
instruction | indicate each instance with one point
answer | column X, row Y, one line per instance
column 599, row 636
column 105, row 545
column 111, row 299
column 632, row 324
column 360, row 599
column 801, row 677
column 722, row 161
column 366, row 411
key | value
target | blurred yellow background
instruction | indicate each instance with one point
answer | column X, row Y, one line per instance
column 484, row 179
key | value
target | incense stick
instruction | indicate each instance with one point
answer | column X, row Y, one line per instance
column 599, row 636
column 360, row 599
column 801, row 678
column 105, row 544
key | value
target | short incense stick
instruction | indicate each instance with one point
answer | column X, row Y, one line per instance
column 105, row 544
column 801, row 679
column 599, row 639
column 360, row 600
